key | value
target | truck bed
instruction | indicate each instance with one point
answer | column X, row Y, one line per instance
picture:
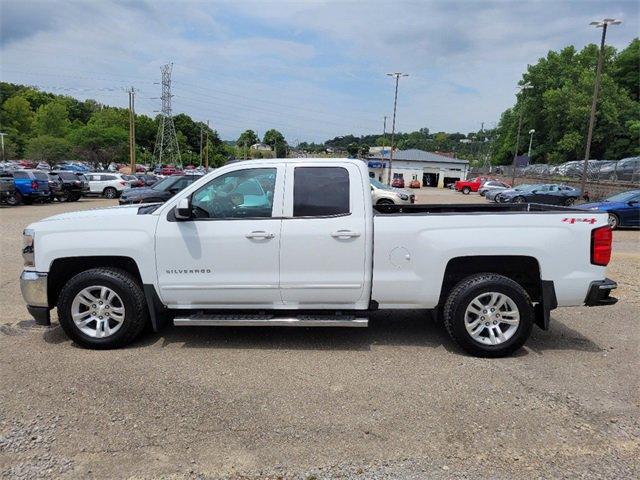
column 469, row 208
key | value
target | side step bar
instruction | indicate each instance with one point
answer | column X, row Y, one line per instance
column 250, row 320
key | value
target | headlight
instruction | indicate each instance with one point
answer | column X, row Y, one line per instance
column 27, row 248
column 403, row 196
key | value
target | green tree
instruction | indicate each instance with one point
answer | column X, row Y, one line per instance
column 625, row 69
column 93, row 143
column 16, row 114
column 276, row 140
column 247, row 138
column 46, row 148
column 352, row 149
column 52, row 119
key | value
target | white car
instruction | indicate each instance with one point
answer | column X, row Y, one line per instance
column 107, row 184
column 297, row 242
column 492, row 185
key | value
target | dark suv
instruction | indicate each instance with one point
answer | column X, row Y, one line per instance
column 160, row 191
column 67, row 186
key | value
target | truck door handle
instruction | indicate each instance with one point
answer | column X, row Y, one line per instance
column 259, row 234
column 345, row 234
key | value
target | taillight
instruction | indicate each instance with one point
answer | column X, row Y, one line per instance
column 34, row 184
column 601, row 240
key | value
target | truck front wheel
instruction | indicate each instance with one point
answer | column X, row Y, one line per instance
column 466, row 190
column 102, row 308
column 488, row 315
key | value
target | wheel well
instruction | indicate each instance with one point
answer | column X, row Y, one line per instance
column 62, row 269
column 521, row 269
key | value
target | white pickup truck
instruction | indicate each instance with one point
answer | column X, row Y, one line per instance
column 297, row 242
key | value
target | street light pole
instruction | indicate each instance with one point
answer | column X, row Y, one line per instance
column 2, row 134
column 531, row 132
column 397, row 75
column 522, row 88
column 592, row 118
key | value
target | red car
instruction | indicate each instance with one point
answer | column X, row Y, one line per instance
column 467, row 186
column 170, row 170
column 398, row 183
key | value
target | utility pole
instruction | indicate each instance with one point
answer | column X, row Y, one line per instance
column 592, row 118
column 2, row 134
column 245, row 149
column 522, row 88
column 132, row 131
column 384, row 137
column 200, row 143
column 397, row 75
column 206, row 150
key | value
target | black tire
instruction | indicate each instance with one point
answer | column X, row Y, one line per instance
column 467, row 290
column 482, row 193
column 519, row 199
column 110, row 192
column 569, row 201
column 385, row 201
column 74, row 197
column 614, row 221
column 466, row 190
column 133, row 300
column 27, row 200
column 64, row 197
column 14, row 199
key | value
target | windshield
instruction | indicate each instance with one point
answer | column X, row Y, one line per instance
column 623, row 197
column 165, row 183
column 377, row 184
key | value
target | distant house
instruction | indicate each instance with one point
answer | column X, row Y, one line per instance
column 431, row 169
column 263, row 147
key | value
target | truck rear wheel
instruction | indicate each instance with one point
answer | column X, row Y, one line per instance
column 102, row 308
column 466, row 190
column 488, row 315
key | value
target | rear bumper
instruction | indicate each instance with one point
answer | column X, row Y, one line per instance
column 599, row 293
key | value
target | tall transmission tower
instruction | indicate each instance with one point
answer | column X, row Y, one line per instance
column 166, row 149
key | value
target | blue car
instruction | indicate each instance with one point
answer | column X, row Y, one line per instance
column 31, row 185
column 623, row 209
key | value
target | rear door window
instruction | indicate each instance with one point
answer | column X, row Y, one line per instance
column 320, row 191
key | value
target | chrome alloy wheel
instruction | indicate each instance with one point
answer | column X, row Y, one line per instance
column 492, row 318
column 98, row 311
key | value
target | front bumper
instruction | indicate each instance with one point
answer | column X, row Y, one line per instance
column 34, row 291
column 599, row 293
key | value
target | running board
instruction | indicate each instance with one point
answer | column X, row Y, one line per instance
column 249, row 320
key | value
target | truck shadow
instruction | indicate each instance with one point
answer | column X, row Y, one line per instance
column 413, row 329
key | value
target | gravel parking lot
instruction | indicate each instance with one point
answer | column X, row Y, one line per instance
column 396, row 400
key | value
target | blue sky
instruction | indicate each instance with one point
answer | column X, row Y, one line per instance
column 312, row 69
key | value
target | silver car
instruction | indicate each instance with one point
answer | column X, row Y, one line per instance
column 382, row 194
column 492, row 185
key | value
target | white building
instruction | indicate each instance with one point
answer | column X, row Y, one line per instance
column 263, row 147
column 431, row 169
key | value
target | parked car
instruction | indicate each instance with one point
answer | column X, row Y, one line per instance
column 537, row 169
column 169, row 170
column 159, row 192
column 550, row 194
column 8, row 191
column 109, row 185
column 31, row 185
column 72, row 166
column 494, row 195
column 492, row 185
column 382, row 194
column 414, row 184
column 315, row 254
column 148, row 179
column 398, row 182
column 134, row 181
column 623, row 209
column 468, row 186
column 625, row 169
column 43, row 166
column 67, row 186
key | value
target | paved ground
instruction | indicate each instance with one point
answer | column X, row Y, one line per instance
column 396, row 400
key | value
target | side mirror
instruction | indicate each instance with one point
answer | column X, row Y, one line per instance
column 183, row 209
column 633, row 203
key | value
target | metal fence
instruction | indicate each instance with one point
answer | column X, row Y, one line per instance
column 626, row 171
